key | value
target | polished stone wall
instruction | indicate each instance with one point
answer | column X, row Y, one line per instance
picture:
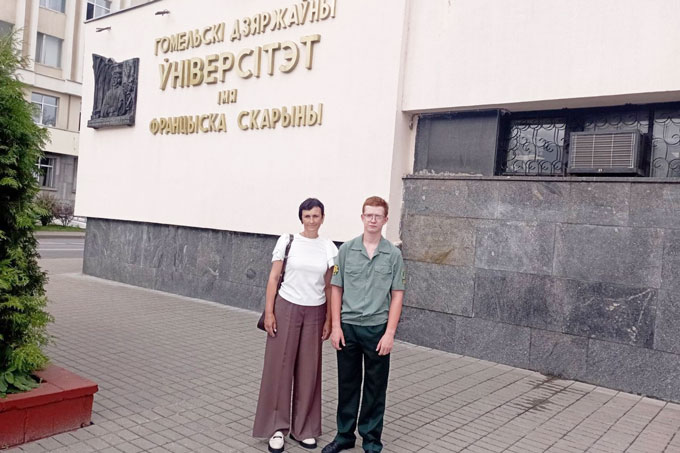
column 576, row 277
column 220, row 266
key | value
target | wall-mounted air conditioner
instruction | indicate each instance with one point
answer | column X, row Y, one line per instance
column 618, row 152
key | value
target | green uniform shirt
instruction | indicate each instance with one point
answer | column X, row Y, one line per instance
column 367, row 283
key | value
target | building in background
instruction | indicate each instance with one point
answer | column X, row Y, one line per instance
column 529, row 149
column 51, row 37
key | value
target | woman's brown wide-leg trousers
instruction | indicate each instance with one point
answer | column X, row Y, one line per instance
column 292, row 362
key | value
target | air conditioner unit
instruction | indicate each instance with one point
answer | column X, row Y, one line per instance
column 617, row 152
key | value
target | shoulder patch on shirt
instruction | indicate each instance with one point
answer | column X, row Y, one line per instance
column 336, row 269
column 403, row 277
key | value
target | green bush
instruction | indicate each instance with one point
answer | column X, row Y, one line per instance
column 63, row 211
column 23, row 319
column 46, row 205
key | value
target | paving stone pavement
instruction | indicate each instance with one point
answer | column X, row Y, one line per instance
column 181, row 375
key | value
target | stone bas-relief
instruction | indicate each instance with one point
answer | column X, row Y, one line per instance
column 115, row 92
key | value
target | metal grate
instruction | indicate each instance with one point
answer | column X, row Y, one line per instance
column 614, row 152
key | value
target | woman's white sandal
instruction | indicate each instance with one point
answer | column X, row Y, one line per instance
column 276, row 442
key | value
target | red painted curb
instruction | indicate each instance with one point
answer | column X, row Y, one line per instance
column 63, row 402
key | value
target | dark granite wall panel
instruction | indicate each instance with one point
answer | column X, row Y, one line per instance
column 599, row 203
column 221, row 266
column 439, row 240
column 667, row 327
column 534, row 201
column 558, row 354
column 499, row 342
column 632, row 369
column 515, row 246
column 446, row 289
column 517, row 298
column 429, row 328
column 573, row 277
column 671, row 260
column 655, row 205
column 630, row 256
column 622, row 314
column 251, row 258
column 461, row 198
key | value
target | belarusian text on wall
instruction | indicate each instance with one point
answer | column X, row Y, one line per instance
column 243, row 62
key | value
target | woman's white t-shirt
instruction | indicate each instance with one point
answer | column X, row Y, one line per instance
column 308, row 261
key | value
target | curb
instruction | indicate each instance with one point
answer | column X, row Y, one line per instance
column 59, row 234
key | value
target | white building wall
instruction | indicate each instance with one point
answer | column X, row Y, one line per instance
column 254, row 180
column 534, row 54
column 378, row 63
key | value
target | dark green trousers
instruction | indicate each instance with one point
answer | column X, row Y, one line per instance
column 359, row 350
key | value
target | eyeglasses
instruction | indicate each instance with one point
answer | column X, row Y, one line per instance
column 377, row 217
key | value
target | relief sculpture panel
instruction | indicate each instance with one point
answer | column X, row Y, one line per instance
column 115, row 92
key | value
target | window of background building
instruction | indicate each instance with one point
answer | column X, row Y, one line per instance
column 45, row 173
column 98, row 8
column 5, row 28
column 54, row 5
column 48, row 50
column 75, row 173
column 46, row 109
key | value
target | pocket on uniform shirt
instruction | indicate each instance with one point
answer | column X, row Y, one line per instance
column 384, row 269
column 353, row 270
column 383, row 275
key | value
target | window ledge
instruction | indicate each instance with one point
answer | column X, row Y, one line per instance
column 47, row 66
column 53, row 10
column 626, row 179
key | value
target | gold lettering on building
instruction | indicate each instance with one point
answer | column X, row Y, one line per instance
column 295, row 116
column 305, row 11
column 178, row 42
column 189, row 124
column 247, row 63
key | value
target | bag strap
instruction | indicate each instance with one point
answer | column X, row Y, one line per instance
column 285, row 260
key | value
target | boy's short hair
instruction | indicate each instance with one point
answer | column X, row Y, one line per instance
column 376, row 202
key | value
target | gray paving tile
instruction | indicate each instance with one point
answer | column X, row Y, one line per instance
column 181, row 375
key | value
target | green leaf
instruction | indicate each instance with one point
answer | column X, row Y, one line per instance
column 9, row 182
column 9, row 377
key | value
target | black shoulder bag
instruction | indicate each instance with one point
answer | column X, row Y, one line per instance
column 260, row 322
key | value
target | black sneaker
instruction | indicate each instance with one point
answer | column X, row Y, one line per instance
column 335, row 447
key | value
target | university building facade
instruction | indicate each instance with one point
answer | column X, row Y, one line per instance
column 529, row 149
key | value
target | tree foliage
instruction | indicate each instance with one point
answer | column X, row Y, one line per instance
column 23, row 319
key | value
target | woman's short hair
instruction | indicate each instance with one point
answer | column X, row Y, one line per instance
column 376, row 202
column 308, row 205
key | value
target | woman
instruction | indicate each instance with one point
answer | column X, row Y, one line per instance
column 297, row 322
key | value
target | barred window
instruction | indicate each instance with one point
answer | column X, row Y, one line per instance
column 537, row 143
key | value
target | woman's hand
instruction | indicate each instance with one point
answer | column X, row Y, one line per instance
column 326, row 330
column 270, row 324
